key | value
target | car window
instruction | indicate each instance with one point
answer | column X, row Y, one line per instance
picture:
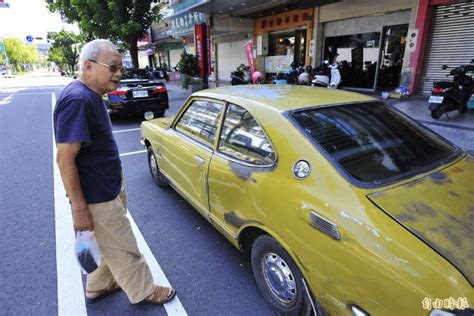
column 243, row 138
column 138, row 74
column 200, row 121
column 372, row 142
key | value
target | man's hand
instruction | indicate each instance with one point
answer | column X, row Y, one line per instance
column 82, row 218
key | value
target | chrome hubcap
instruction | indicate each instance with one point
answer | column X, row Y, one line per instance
column 153, row 166
column 279, row 278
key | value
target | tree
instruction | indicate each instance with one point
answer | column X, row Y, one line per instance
column 188, row 66
column 117, row 20
column 64, row 49
column 19, row 53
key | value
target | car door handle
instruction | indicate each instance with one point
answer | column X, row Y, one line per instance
column 199, row 160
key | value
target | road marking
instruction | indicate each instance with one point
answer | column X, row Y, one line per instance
column 70, row 292
column 133, row 153
column 126, row 130
column 6, row 100
column 174, row 307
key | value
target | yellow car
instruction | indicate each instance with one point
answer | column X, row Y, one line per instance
column 347, row 206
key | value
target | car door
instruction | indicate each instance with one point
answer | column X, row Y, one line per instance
column 240, row 171
column 187, row 148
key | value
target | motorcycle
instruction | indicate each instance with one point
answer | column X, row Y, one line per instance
column 327, row 76
column 241, row 75
column 448, row 96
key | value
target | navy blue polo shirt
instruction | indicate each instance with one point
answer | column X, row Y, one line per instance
column 80, row 116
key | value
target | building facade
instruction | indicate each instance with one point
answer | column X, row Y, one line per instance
column 381, row 44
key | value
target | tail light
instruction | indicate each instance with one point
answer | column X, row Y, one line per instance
column 118, row 92
column 439, row 90
column 159, row 89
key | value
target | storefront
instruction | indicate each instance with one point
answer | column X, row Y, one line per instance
column 370, row 49
column 450, row 41
column 175, row 35
column 229, row 35
column 282, row 39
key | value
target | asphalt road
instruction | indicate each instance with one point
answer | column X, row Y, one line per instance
column 211, row 277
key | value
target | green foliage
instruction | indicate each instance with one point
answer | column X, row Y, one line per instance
column 19, row 53
column 64, row 50
column 188, row 66
column 117, row 20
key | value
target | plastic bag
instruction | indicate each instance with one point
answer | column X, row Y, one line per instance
column 87, row 251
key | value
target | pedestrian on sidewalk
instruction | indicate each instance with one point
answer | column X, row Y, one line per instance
column 88, row 159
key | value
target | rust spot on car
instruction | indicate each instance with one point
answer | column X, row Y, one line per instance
column 233, row 219
column 244, row 172
column 456, row 170
column 439, row 178
column 422, row 209
column 406, row 217
column 454, row 194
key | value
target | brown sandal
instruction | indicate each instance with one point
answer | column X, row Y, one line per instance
column 161, row 295
column 100, row 294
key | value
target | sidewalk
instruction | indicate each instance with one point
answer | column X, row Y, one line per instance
column 415, row 106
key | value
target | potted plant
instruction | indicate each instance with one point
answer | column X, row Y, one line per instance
column 188, row 67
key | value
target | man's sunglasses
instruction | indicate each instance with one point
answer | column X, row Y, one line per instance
column 112, row 68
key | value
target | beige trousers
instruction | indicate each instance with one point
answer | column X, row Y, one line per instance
column 121, row 259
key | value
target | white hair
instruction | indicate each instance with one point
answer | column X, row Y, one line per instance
column 92, row 50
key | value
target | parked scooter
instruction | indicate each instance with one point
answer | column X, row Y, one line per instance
column 241, row 75
column 327, row 76
column 448, row 96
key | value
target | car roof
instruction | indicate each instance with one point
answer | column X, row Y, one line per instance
column 282, row 97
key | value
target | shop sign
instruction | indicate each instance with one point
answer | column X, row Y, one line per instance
column 184, row 23
column 203, row 52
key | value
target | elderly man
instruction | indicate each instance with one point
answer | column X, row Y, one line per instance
column 91, row 171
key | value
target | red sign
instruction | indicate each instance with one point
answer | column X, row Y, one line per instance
column 202, row 40
column 249, row 53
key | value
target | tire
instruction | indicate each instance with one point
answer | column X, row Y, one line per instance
column 159, row 179
column 270, row 262
column 436, row 113
column 463, row 109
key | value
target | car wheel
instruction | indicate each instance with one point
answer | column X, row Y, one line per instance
column 463, row 109
column 436, row 113
column 159, row 179
column 278, row 278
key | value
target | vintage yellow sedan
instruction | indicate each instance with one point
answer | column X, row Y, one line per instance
column 347, row 206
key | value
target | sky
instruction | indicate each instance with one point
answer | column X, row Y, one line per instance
column 30, row 17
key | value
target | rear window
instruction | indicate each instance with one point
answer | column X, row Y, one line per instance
column 372, row 142
column 138, row 74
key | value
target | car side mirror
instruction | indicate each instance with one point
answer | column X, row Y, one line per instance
column 444, row 67
column 149, row 115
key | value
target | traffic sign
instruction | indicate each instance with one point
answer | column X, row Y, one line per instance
column 29, row 38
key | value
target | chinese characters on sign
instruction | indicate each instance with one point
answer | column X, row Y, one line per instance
column 184, row 24
column 448, row 303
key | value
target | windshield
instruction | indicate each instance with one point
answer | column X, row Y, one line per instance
column 372, row 142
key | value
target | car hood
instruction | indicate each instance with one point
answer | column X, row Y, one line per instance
column 439, row 210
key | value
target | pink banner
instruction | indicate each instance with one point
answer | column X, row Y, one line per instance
column 249, row 53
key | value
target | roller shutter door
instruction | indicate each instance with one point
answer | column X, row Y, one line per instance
column 450, row 41
column 229, row 56
column 175, row 56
